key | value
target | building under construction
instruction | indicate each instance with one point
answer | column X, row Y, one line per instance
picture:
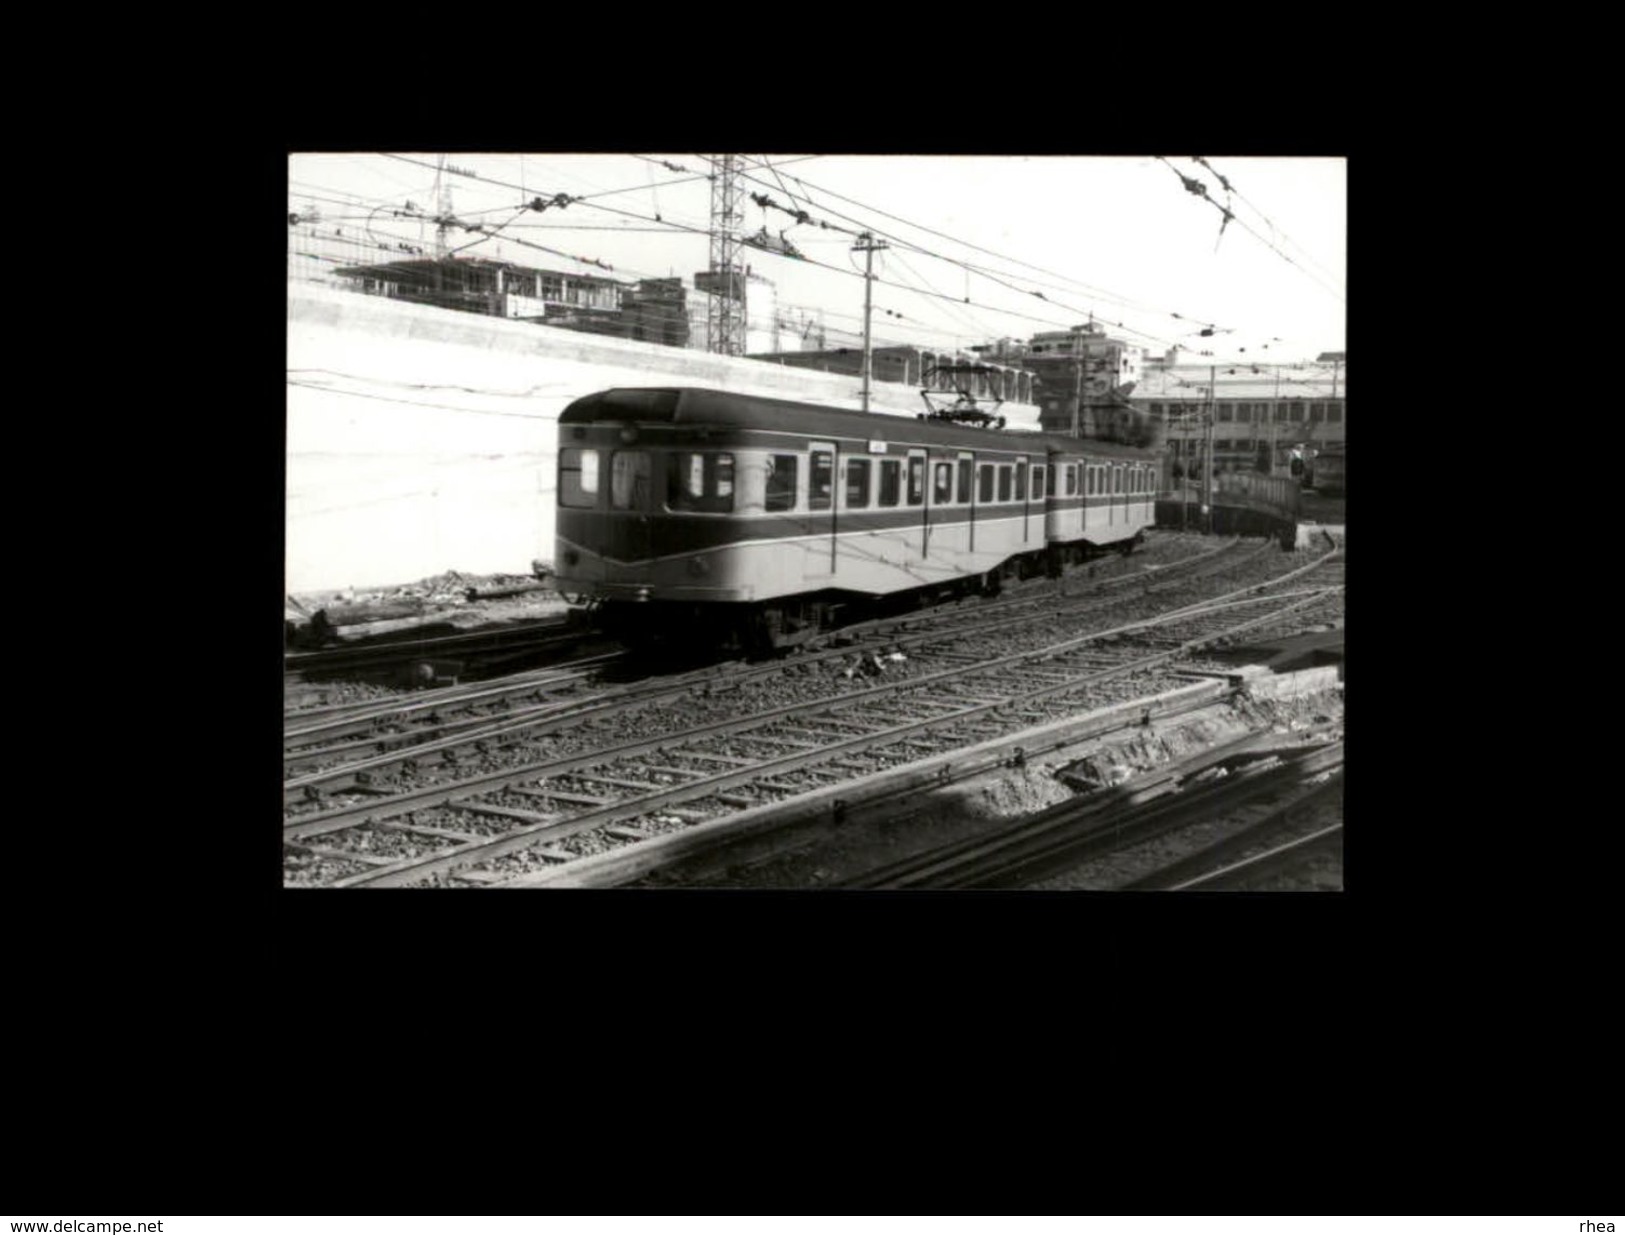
column 914, row 366
column 651, row 310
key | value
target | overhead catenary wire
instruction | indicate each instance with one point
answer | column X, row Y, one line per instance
column 1197, row 189
column 781, row 185
column 763, row 163
column 1231, row 189
column 995, row 277
column 759, row 163
column 1100, row 293
column 799, row 180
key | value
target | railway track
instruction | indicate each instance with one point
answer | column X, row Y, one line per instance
column 491, row 648
column 408, row 659
column 1274, row 861
column 356, row 745
column 1257, row 846
column 1100, row 826
column 525, row 817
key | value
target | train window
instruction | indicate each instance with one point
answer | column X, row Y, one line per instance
column 857, row 483
column 629, row 472
column 1071, row 479
column 781, row 482
column 1317, row 413
column 984, row 483
column 700, row 482
column 1334, row 413
column 1089, row 474
column 1226, row 411
column 916, row 481
column 1038, row 483
column 942, row 489
column 1297, row 411
column 1004, row 483
column 1117, row 480
column 823, row 478
column 578, row 477
column 964, row 480
column 1021, row 481
column 891, row 481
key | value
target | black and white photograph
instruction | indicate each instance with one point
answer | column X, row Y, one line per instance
column 815, row 522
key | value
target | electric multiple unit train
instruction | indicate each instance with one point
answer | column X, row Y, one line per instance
column 696, row 513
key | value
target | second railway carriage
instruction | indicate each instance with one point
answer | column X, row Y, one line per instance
column 701, row 512
column 1098, row 494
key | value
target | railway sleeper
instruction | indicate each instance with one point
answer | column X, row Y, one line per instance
column 637, row 786
column 729, row 760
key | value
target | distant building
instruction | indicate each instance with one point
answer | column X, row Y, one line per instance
column 1084, row 378
column 1263, row 415
column 764, row 332
column 656, row 311
column 911, row 365
column 496, row 288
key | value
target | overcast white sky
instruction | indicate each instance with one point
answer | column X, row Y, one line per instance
column 1120, row 236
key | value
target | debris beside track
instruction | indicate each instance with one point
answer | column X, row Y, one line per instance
column 461, row 601
column 973, row 807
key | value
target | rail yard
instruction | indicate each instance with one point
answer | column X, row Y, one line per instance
column 1166, row 718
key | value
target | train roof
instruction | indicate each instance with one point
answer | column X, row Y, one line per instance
column 694, row 405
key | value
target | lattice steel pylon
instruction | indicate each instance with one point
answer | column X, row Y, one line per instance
column 725, row 306
column 442, row 205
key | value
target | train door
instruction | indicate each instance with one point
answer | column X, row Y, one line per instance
column 1075, row 488
column 821, row 473
column 966, row 493
column 1022, row 471
column 630, row 481
column 915, row 493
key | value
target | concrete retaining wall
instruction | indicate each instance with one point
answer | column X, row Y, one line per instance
column 1313, row 535
column 1288, row 685
column 422, row 440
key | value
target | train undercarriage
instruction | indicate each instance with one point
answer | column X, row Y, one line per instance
column 765, row 627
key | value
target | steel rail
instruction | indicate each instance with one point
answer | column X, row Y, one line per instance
column 407, row 648
column 544, row 829
column 435, row 795
column 871, row 795
column 1210, row 858
column 1097, row 825
column 1271, row 862
column 547, row 716
column 449, row 696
